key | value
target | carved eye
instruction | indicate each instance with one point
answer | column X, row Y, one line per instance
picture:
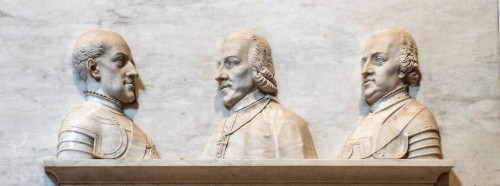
column 120, row 61
column 231, row 62
column 379, row 60
column 363, row 61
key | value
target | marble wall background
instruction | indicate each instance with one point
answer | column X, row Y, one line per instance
column 316, row 48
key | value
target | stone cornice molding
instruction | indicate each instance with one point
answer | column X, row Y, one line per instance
column 419, row 172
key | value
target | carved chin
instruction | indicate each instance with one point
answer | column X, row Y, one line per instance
column 369, row 97
column 228, row 101
column 369, row 101
column 129, row 98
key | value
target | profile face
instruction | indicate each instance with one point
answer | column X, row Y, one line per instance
column 380, row 66
column 117, row 69
column 234, row 74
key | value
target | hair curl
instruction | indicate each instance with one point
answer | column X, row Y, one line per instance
column 259, row 56
column 410, row 72
column 262, row 61
column 84, row 51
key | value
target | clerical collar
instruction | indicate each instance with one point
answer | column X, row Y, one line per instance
column 103, row 99
column 248, row 100
column 395, row 97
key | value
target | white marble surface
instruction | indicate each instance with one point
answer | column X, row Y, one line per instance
column 316, row 48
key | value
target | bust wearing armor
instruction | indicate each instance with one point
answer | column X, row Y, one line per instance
column 98, row 128
column 258, row 126
column 397, row 127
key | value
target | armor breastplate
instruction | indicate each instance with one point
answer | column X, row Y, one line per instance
column 391, row 141
column 112, row 142
column 114, row 135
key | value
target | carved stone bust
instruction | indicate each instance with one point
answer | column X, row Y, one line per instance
column 397, row 127
column 98, row 128
column 258, row 126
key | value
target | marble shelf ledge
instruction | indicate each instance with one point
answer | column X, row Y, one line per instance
column 299, row 172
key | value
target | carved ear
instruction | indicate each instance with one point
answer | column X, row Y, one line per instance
column 402, row 75
column 255, row 72
column 93, row 69
column 412, row 78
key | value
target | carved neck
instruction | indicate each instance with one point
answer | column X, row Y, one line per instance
column 103, row 99
column 397, row 95
column 248, row 100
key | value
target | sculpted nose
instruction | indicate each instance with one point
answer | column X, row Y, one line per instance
column 367, row 69
column 132, row 72
column 221, row 74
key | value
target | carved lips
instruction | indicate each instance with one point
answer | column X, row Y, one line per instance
column 223, row 86
column 130, row 84
column 367, row 81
